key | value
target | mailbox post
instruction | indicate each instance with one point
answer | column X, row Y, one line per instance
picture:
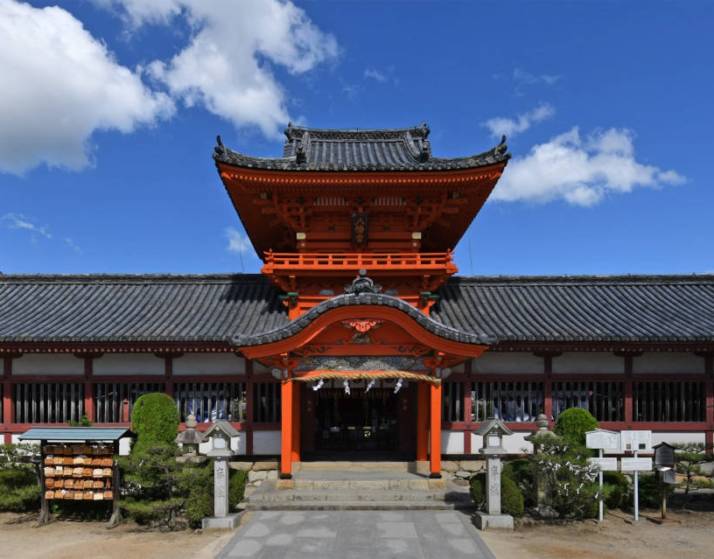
column 636, row 442
column 493, row 431
column 664, row 462
column 602, row 440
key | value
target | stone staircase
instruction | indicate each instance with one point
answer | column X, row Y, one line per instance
column 358, row 486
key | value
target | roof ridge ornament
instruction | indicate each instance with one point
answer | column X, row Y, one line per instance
column 362, row 284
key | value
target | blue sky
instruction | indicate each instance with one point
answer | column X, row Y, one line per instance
column 107, row 131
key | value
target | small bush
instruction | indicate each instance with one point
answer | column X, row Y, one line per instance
column 196, row 483
column 650, row 491
column 615, row 487
column 237, row 488
column 154, row 419
column 572, row 425
column 19, row 482
column 512, row 501
column 521, row 472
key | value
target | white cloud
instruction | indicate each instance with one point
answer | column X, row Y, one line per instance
column 501, row 126
column 374, row 74
column 237, row 242
column 522, row 77
column 58, row 85
column 226, row 66
column 580, row 170
column 22, row 223
column 72, row 245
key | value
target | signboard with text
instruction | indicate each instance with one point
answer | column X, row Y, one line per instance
column 602, row 439
column 604, row 464
column 635, row 464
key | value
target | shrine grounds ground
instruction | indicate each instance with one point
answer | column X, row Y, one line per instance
column 685, row 536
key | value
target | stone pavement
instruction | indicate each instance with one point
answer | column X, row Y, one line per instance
column 356, row 534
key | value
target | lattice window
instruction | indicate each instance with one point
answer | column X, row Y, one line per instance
column 453, row 402
column 669, row 401
column 510, row 401
column 605, row 400
column 211, row 401
column 266, row 402
column 49, row 402
column 109, row 398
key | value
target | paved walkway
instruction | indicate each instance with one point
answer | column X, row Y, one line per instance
column 356, row 534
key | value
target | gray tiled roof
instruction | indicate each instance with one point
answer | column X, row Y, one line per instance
column 135, row 308
column 246, row 309
column 582, row 309
column 403, row 149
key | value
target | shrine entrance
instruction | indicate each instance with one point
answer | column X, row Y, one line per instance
column 363, row 423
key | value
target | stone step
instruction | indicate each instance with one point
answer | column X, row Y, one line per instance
column 351, row 466
column 366, row 484
column 359, row 505
column 374, row 496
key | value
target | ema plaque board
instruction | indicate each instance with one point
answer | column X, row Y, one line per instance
column 602, row 439
column 635, row 464
column 636, row 441
column 604, row 464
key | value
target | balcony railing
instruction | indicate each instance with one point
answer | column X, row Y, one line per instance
column 306, row 261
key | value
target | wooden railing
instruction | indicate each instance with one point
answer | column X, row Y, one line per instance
column 275, row 261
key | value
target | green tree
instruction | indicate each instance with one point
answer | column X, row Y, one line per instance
column 154, row 419
column 19, row 480
column 573, row 423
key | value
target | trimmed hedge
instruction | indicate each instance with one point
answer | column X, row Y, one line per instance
column 236, row 491
column 615, row 488
column 154, row 419
column 573, row 423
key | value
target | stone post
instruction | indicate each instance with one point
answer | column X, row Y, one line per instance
column 493, row 484
column 220, row 487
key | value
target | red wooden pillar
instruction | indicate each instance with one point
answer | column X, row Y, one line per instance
column 168, row 375
column 286, row 428
column 709, row 433
column 548, row 387
column 297, row 420
column 7, row 387
column 88, row 389
column 628, row 391
column 467, row 414
column 435, row 428
column 423, row 405
column 248, row 425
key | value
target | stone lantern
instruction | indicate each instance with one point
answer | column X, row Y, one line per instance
column 493, row 431
column 190, row 440
column 219, row 437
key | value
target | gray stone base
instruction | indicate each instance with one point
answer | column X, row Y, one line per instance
column 484, row 521
column 229, row 522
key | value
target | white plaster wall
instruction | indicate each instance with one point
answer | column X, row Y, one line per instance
column 129, row 364
column 589, row 362
column 678, row 438
column 668, row 362
column 47, row 364
column 452, row 442
column 209, row 364
column 514, row 444
column 266, row 442
column 502, row 362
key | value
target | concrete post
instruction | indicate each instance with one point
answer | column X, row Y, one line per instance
column 220, row 487
column 493, row 484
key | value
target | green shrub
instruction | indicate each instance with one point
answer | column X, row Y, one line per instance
column 521, row 472
column 196, row 483
column 573, row 423
column 512, row 501
column 568, row 479
column 151, row 484
column 616, row 487
column 19, row 482
column 650, row 491
column 237, row 488
column 154, row 419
